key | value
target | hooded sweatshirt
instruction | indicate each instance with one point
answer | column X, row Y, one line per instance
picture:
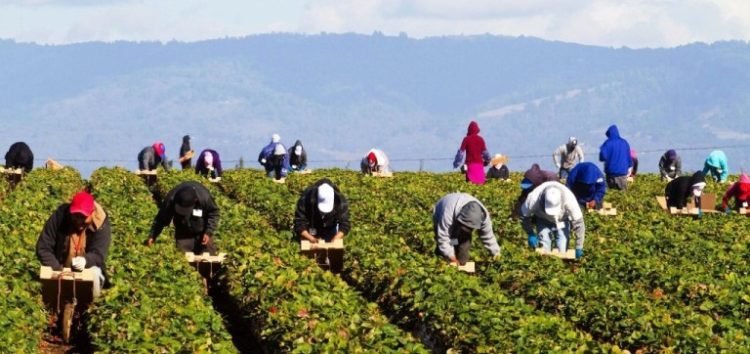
column 679, row 190
column 668, row 167
column 538, row 176
column 739, row 190
column 533, row 207
column 19, row 155
column 586, row 181
column 615, row 153
column 149, row 158
column 717, row 160
column 568, row 154
column 201, row 167
column 307, row 215
column 185, row 148
column 445, row 222
column 474, row 147
column 295, row 159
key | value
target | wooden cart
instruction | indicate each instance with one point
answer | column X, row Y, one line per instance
column 208, row 266
column 13, row 175
column 148, row 176
column 68, row 292
column 328, row 255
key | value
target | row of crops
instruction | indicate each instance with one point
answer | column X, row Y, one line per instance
column 648, row 281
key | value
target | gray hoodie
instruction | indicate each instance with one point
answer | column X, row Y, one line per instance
column 567, row 159
column 444, row 219
column 570, row 210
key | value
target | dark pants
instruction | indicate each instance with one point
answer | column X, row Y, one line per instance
column 186, row 164
column 563, row 173
column 618, row 182
column 194, row 245
column 277, row 163
column 461, row 249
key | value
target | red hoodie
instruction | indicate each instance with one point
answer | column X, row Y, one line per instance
column 473, row 144
column 739, row 190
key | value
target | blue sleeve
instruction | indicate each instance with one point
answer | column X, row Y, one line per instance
column 572, row 177
column 603, row 152
column 601, row 189
column 459, row 158
column 724, row 170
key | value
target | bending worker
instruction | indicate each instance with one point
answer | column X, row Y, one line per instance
column 567, row 156
column 375, row 161
column 716, row 164
column 152, row 156
column 297, row 157
column 322, row 213
column 586, row 181
column 679, row 191
column 77, row 236
column 455, row 217
column 552, row 207
column 19, row 155
column 741, row 193
column 209, row 164
column 670, row 165
column 498, row 170
column 473, row 152
column 192, row 210
column 615, row 153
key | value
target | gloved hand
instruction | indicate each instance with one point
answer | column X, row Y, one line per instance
column 700, row 213
column 263, row 161
column 727, row 210
column 533, row 241
column 579, row 253
column 599, row 205
column 79, row 263
column 294, row 167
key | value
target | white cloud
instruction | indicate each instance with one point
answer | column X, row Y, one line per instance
column 634, row 23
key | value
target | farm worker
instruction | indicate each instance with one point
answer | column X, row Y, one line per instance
column 297, row 157
column 19, row 155
column 322, row 213
column 633, row 163
column 454, row 219
column 151, row 156
column 532, row 178
column 670, row 165
column 375, row 161
column 679, row 191
column 716, row 164
column 77, row 236
column 741, row 193
column 586, row 181
column 274, row 158
column 498, row 169
column 193, row 211
column 567, row 156
column 615, row 153
column 186, row 159
column 476, row 155
column 208, row 164
column 552, row 206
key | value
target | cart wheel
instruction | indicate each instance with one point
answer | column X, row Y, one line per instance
column 67, row 323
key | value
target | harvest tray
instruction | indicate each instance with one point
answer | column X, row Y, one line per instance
column 328, row 255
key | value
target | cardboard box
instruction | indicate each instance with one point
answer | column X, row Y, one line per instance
column 570, row 254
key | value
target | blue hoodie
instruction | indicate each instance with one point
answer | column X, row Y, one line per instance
column 587, row 183
column 615, row 153
column 717, row 160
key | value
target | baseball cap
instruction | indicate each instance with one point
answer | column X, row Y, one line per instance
column 185, row 200
column 526, row 183
column 82, row 203
column 325, row 198
column 552, row 201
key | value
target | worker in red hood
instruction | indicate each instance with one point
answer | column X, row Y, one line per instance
column 152, row 156
column 476, row 155
column 741, row 193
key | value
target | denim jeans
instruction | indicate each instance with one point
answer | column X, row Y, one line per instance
column 549, row 231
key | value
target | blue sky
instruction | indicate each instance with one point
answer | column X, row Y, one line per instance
column 633, row 23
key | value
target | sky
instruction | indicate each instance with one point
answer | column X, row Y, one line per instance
column 611, row 23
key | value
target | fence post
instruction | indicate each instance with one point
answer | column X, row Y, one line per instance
column 421, row 165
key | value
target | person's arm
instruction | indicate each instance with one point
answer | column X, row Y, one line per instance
column 663, row 168
column 458, row 159
column 555, row 155
column 488, row 237
column 579, row 151
column 678, row 166
column 600, row 190
column 729, row 193
column 344, row 225
column 724, row 171
column 526, row 219
column 580, row 230
column 45, row 245
column 301, row 220
column 163, row 217
column 211, row 211
column 443, row 238
column 602, row 153
column 97, row 247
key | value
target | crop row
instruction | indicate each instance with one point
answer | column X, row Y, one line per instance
column 293, row 305
column 23, row 317
column 157, row 301
column 608, row 309
column 455, row 311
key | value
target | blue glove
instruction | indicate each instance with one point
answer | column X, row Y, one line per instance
column 727, row 210
column 533, row 241
column 700, row 213
column 579, row 253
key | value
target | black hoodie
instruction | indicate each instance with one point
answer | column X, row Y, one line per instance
column 19, row 156
column 297, row 160
column 307, row 214
column 679, row 190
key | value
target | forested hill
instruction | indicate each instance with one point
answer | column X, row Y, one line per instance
column 343, row 94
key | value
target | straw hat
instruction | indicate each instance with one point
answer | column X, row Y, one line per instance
column 499, row 158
